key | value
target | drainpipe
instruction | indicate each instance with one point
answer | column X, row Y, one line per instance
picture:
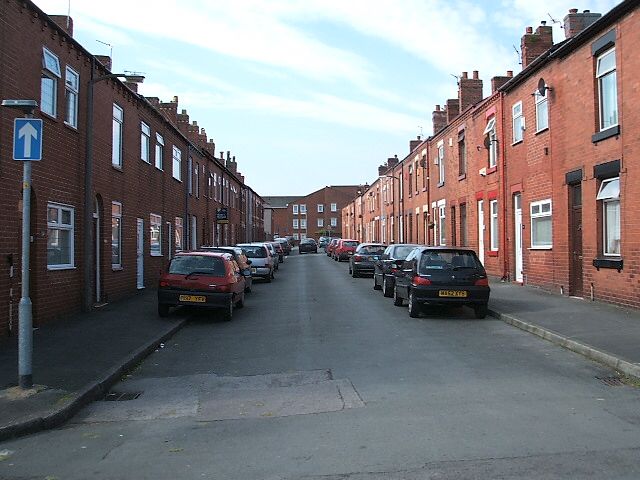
column 505, row 250
column 187, row 220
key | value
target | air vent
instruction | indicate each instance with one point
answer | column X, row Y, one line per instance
column 121, row 396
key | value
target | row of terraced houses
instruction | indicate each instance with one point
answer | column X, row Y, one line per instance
column 542, row 177
column 124, row 181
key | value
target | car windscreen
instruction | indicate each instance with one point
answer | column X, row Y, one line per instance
column 403, row 252
column 350, row 244
column 254, row 251
column 448, row 260
column 371, row 249
column 204, row 264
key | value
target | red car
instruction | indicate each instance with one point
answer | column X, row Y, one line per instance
column 344, row 249
column 202, row 279
column 331, row 246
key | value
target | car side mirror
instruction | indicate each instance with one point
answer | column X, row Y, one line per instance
column 248, row 262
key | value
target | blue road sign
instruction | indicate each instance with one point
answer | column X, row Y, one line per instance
column 27, row 139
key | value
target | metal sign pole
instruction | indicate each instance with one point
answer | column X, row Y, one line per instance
column 25, row 319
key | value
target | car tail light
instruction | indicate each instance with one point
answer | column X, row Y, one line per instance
column 418, row 280
column 482, row 282
column 220, row 288
column 164, row 283
column 357, row 258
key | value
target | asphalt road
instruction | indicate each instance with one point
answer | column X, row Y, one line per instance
column 320, row 377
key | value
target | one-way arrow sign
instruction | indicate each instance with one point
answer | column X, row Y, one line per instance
column 27, row 139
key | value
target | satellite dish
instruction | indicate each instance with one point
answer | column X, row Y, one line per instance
column 542, row 87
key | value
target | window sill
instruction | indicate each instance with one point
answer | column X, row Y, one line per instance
column 158, row 168
column 177, row 179
column 441, row 184
column 545, row 129
column 117, row 167
column 549, row 247
column 156, row 255
column 73, row 128
column 517, row 142
column 492, row 170
column 48, row 116
column 604, row 134
column 61, row 267
column 492, row 253
column 615, row 263
column 117, row 268
column 462, row 176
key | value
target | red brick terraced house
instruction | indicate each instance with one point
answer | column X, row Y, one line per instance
column 538, row 177
column 154, row 184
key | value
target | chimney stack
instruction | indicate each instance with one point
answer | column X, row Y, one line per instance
column 104, row 60
column 453, row 109
column 413, row 144
column 439, row 119
column 498, row 81
column 382, row 170
column 533, row 45
column 64, row 22
column 575, row 22
column 392, row 161
column 469, row 90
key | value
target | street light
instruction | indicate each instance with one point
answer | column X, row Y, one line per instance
column 25, row 316
column 88, row 180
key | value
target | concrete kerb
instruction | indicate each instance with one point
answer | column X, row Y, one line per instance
column 588, row 351
column 90, row 392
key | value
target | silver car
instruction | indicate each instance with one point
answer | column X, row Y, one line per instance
column 262, row 261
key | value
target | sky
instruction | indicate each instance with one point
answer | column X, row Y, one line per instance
column 309, row 93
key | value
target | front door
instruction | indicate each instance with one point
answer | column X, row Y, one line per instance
column 481, row 230
column 97, row 243
column 517, row 225
column 140, row 253
column 575, row 241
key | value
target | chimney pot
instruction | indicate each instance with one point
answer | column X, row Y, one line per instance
column 464, row 75
column 184, row 112
column 175, row 99
column 476, row 75
column 587, row 11
column 543, row 23
column 437, row 108
column 573, row 10
column 529, row 30
column 509, row 73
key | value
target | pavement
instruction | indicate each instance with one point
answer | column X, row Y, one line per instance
column 77, row 359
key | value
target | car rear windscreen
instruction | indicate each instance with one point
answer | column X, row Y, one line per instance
column 448, row 260
column 256, row 251
column 186, row 264
column 350, row 244
column 372, row 249
column 403, row 252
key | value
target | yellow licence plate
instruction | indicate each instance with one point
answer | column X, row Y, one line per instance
column 452, row 293
column 193, row 298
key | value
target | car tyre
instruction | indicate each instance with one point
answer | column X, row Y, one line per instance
column 227, row 315
column 240, row 302
column 354, row 274
column 414, row 307
column 269, row 277
column 375, row 283
column 386, row 289
column 163, row 310
column 481, row 311
column 397, row 300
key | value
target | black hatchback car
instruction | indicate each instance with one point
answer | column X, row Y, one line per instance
column 386, row 265
column 442, row 276
column 362, row 260
column 308, row 245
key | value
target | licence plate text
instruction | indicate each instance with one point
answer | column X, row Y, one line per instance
column 193, row 298
column 452, row 293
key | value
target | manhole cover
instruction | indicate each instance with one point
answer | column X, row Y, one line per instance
column 121, row 396
column 611, row 381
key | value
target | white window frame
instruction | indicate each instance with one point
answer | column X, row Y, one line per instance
column 176, row 165
column 159, row 151
column 517, row 122
column 490, row 131
column 442, row 223
column 145, row 142
column 494, row 238
column 441, row 171
column 609, row 195
column 542, row 111
column 320, row 208
column 116, row 227
column 303, row 223
column 295, row 209
column 603, row 75
column 334, row 221
column 59, row 225
column 155, row 230
column 117, row 138
column 296, row 224
column 178, row 233
column 542, row 209
column 334, row 207
column 320, row 222
column 71, row 91
column 296, row 236
column 303, row 209
column 51, row 72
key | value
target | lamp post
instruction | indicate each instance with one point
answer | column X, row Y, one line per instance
column 88, row 181
column 25, row 317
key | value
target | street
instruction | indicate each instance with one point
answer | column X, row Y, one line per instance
column 320, row 376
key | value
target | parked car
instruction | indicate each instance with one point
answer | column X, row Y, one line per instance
column 362, row 260
column 273, row 253
column 308, row 245
column 202, row 279
column 385, row 267
column 285, row 245
column 330, row 246
column 344, row 249
column 241, row 259
column 261, row 260
column 442, row 276
column 323, row 242
column 279, row 250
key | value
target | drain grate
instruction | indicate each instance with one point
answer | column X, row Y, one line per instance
column 121, row 396
column 611, row 381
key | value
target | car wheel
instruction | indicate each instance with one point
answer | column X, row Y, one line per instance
column 414, row 307
column 247, row 289
column 397, row 300
column 163, row 310
column 375, row 283
column 386, row 288
column 354, row 274
column 481, row 311
column 240, row 302
column 227, row 315
column 269, row 277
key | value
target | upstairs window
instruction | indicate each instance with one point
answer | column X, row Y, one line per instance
column 542, row 111
column 334, row 207
column 116, row 145
column 491, row 141
column 607, row 89
column 518, row 122
column 440, row 163
column 295, row 209
column 145, row 142
column 462, row 154
column 303, row 208
column 72, row 85
column 159, row 151
column 320, row 208
column 177, row 164
column 49, row 83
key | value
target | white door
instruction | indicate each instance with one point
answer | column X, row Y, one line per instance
column 481, row 230
column 194, row 233
column 140, row 253
column 517, row 222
